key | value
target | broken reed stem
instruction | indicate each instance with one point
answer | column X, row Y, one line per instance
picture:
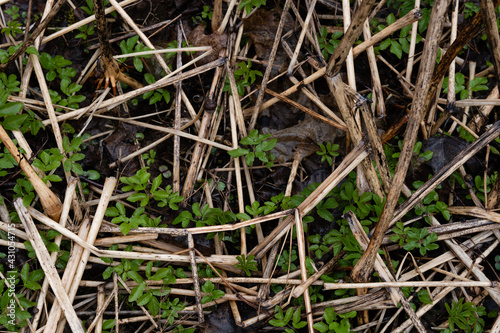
column 108, row 188
column 349, row 61
column 171, row 131
column 318, row 103
column 305, row 27
column 378, row 95
column 301, row 244
column 413, row 42
column 70, row 191
column 340, row 54
column 50, row 202
column 49, row 269
column 68, row 276
column 377, row 147
column 154, row 144
column 451, row 96
column 306, row 110
column 490, row 22
column 467, row 31
column 81, row 23
column 196, row 283
column 396, row 294
column 176, row 182
column 345, row 167
column 267, row 73
column 313, row 279
column 197, row 152
column 472, row 265
column 348, row 164
column 237, row 169
column 225, row 260
column 363, row 268
column 340, row 94
column 415, row 284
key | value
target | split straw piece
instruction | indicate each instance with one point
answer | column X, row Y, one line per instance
column 50, row 202
column 49, row 269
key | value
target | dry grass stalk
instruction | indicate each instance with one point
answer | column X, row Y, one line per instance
column 355, row 28
column 468, row 262
column 124, row 239
column 171, row 131
column 306, row 110
column 48, row 268
column 378, row 96
column 364, row 266
column 411, row 51
column 50, row 202
column 337, row 89
column 489, row 20
column 70, row 191
column 108, row 188
column 303, row 270
column 53, row 10
column 267, row 73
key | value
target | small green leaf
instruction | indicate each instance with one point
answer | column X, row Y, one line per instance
column 137, row 292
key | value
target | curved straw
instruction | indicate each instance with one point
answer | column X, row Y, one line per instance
column 50, row 202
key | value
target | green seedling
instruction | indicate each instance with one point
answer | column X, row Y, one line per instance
column 212, row 293
column 335, row 323
column 328, row 152
column 244, row 77
column 465, row 316
column 13, row 27
column 171, row 309
column 260, row 148
column 138, row 218
column 132, row 45
column 249, row 5
column 328, row 44
column 155, row 95
column 282, row 320
column 414, row 238
column 475, row 85
column 30, row 279
column 247, row 264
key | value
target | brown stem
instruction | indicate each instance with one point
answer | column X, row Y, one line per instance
column 50, row 202
column 111, row 68
column 363, row 268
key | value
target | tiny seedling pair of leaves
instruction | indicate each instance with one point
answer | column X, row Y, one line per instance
column 282, row 320
column 30, row 278
column 131, row 45
column 475, row 85
column 327, row 45
column 155, row 95
column 212, row 293
column 12, row 120
column 119, row 214
column 261, row 146
column 335, row 323
column 247, row 264
column 55, row 65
